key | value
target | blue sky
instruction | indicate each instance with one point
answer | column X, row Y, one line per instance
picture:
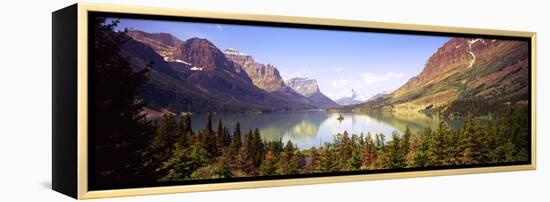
column 369, row 63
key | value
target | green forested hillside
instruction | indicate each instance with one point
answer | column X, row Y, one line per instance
column 495, row 71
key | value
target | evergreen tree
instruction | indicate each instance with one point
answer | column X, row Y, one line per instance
column 220, row 136
column 345, row 149
column 511, row 140
column 468, row 143
column 395, row 158
column 297, row 162
column 208, row 137
column 248, row 153
column 355, row 161
column 413, row 149
column 424, row 155
column 226, row 137
column 518, row 134
column 405, row 143
column 180, row 166
column 209, row 122
column 380, row 141
column 361, row 140
column 313, row 160
column 121, row 132
column 187, row 128
column 504, row 153
column 164, row 139
column 276, row 147
column 221, row 170
column 182, row 132
column 329, row 159
column 289, row 163
column 451, row 150
column 258, row 147
column 377, row 140
column 268, row 165
column 369, row 151
column 438, row 143
column 235, row 145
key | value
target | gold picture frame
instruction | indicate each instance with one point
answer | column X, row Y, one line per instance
column 78, row 187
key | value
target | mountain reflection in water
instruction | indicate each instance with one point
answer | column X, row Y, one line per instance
column 312, row 128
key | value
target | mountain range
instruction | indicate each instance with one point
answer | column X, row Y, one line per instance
column 351, row 100
column 193, row 75
column 266, row 77
column 496, row 71
column 310, row 89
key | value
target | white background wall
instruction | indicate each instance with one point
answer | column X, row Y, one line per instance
column 25, row 100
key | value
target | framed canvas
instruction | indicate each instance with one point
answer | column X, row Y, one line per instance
column 155, row 100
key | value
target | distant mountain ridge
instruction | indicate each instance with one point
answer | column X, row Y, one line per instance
column 310, row 89
column 378, row 96
column 194, row 75
column 351, row 100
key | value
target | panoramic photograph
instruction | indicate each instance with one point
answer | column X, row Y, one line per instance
column 181, row 102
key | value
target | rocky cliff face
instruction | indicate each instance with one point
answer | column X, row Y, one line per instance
column 164, row 44
column 465, row 68
column 158, row 41
column 310, row 89
column 195, row 76
column 196, row 53
column 266, row 77
column 304, row 86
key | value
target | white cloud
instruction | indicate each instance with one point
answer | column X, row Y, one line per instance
column 370, row 78
column 219, row 27
column 334, row 95
column 341, row 83
column 341, row 88
column 338, row 69
column 364, row 96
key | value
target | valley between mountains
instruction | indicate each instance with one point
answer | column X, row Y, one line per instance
column 194, row 75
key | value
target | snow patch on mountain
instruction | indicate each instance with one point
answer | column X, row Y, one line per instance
column 470, row 42
column 232, row 51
